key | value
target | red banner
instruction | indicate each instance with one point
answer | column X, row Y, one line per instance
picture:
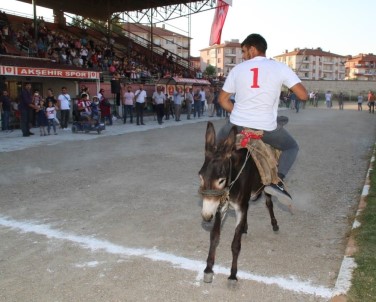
column 218, row 22
column 48, row 72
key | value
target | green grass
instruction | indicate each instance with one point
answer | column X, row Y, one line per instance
column 364, row 278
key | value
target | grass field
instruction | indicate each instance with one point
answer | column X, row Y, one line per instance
column 364, row 277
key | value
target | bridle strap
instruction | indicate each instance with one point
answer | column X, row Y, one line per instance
column 226, row 190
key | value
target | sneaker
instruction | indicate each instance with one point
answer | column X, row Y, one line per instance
column 279, row 191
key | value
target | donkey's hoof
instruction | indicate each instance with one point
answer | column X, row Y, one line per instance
column 275, row 228
column 208, row 277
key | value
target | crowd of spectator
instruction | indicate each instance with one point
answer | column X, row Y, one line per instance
column 134, row 63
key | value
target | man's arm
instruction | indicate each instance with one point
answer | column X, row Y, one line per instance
column 225, row 102
column 300, row 91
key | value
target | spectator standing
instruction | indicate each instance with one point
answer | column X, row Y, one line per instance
column 168, row 107
column 292, row 97
column 178, row 100
column 159, row 99
column 189, row 102
column 37, row 98
column 311, row 97
column 210, row 101
column 128, row 104
column 26, row 106
column 203, row 99
column 42, row 118
column 64, row 104
column 360, row 102
column 5, row 107
column 197, row 104
column 51, row 98
column 140, row 97
column 328, row 99
column 316, row 99
column 51, row 117
column 217, row 107
column 371, row 102
column 340, row 101
column 105, row 107
column 296, row 101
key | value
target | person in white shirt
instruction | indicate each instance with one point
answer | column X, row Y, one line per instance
column 128, row 103
column 203, row 100
column 178, row 101
column 159, row 99
column 51, row 116
column 140, row 97
column 328, row 99
column 257, row 83
column 64, row 103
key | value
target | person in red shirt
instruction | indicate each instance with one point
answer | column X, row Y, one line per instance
column 105, row 106
column 371, row 102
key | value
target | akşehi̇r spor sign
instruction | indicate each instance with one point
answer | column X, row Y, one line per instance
column 48, row 72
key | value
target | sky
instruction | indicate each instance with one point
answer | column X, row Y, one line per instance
column 343, row 27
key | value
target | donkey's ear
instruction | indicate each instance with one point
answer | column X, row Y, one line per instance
column 230, row 141
column 210, row 140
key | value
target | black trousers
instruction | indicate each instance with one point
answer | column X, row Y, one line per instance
column 64, row 118
column 25, row 121
column 160, row 112
column 140, row 112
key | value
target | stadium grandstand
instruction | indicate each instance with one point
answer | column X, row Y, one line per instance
column 93, row 43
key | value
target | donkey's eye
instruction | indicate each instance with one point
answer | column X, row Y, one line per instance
column 221, row 182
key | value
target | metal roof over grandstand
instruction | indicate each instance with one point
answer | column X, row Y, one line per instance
column 101, row 9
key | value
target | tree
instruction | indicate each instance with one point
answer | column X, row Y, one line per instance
column 210, row 71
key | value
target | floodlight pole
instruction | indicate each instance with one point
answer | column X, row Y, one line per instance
column 35, row 20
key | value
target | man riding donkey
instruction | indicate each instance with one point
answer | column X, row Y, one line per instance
column 257, row 83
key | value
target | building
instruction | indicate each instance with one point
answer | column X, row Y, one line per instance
column 361, row 67
column 163, row 39
column 223, row 56
column 314, row 64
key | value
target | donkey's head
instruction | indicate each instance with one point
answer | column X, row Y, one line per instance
column 215, row 173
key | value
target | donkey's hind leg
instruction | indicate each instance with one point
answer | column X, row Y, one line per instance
column 214, row 241
column 269, row 205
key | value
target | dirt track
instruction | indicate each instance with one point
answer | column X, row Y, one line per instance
column 118, row 218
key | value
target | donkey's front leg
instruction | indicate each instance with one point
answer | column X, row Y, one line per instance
column 214, row 241
column 241, row 215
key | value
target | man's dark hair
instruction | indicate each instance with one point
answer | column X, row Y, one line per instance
column 256, row 41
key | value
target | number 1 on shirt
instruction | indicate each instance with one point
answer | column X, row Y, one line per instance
column 255, row 78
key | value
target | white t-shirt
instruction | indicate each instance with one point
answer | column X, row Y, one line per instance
column 159, row 98
column 128, row 98
column 140, row 96
column 51, row 112
column 328, row 96
column 64, row 101
column 257, row 84
column 202, row 95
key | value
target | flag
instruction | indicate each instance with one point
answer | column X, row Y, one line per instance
column 218, row 22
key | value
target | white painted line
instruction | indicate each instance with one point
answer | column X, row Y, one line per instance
column 344, row 277
column 356, row 224
column 365, row 190
column 292, row 283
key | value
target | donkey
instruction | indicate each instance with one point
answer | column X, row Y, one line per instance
column 228, row 178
